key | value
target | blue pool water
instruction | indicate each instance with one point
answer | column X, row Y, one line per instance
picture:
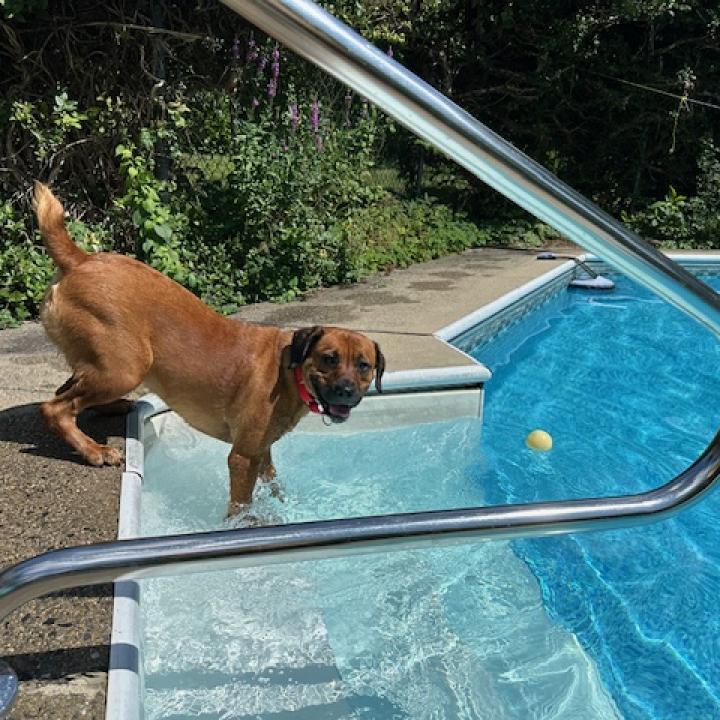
column 628, row 387
column 619, row 624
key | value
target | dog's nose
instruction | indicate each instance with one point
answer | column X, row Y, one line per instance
column 344, row 389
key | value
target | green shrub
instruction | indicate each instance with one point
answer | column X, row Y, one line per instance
column 25, row 271
column 395, row 233
column 262, row 191
column 684, row 222
column 520, row 233
column 20, row 8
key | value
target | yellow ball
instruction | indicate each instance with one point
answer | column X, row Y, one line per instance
column 539, row 440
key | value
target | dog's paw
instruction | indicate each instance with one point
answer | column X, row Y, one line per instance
column 235, row 510
column 276, row 491
column 239, row 516
column 111, row 456
column 104, row 455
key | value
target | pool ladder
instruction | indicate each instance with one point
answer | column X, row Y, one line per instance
column 314, row 34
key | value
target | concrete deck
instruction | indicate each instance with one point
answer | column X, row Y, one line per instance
column 403, row 309
column 50, row 499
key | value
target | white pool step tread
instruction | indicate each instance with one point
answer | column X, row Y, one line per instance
column 480, row 640
column 255, row 654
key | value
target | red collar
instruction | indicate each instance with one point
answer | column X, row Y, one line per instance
column 305, row 396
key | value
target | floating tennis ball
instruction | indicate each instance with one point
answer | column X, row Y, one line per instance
column 539, row 440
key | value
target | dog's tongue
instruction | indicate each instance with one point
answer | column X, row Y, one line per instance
column 339, row 410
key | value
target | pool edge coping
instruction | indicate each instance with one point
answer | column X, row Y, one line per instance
column 124, row 684
column 450, row 332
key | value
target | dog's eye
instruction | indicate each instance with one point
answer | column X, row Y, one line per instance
column 331, row 360
column 363, row 366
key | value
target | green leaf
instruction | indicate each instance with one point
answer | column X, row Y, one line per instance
column 163, row 231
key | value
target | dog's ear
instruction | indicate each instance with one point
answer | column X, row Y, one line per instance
column 379, row 367
column 302, row 343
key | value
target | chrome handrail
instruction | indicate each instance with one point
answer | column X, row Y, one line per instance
column 225, row 549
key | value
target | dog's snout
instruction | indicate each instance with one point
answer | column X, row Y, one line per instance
column 344, row 389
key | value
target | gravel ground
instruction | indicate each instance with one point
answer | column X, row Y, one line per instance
column 50, row 499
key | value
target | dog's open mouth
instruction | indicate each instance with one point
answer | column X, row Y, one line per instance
column 337, row 413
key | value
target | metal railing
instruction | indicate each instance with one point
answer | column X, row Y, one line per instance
column 225, row 549
column 314, row 34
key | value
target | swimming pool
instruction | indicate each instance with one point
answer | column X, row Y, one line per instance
column 561, row 627
column 441, row 633
column 627, row 386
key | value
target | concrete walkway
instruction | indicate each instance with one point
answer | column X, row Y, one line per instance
column 50, row 499
column 403, row 309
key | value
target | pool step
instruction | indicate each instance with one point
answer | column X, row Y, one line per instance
column 256, row 655
column 368, row 709
column 462, row 631
column 457, row 633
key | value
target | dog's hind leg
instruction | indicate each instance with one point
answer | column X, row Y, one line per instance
column 66, row 385
column 111, row 409
column 88, row 387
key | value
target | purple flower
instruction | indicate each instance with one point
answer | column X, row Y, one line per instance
column 252, row 52
column 390, row 52
column 315, row 116
column 294, row 117
column 236, row 49
column 275, row 67
column 261, row 63
column 318, row 143
column 272, row 88
column 255, row 102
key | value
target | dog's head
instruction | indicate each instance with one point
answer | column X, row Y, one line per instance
column 338, row 367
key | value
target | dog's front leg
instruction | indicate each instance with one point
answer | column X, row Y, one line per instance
column 244, row 473
column 267, row 469
column 269, row 475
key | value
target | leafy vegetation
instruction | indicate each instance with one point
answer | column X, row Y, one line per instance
column 392, row 233
column 683, row 222
column 178, row 134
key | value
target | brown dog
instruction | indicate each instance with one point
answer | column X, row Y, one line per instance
column 119, row 322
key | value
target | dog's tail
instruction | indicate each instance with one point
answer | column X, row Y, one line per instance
column 51, row 219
